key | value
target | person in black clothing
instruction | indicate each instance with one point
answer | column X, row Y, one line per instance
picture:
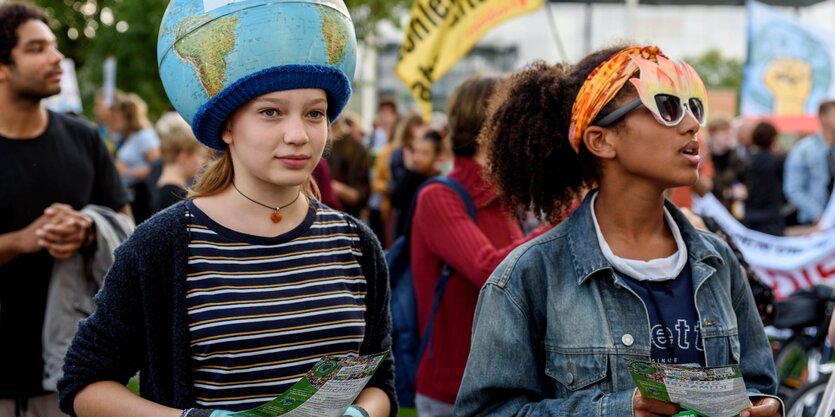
column 765, row 183
column 52, row 166
column 422, row 159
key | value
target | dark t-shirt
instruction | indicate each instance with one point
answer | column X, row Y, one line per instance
column 765, row 188
column 675, row 332
column 168, row 195
column 67, row 164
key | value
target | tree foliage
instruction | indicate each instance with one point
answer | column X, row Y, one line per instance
column 89, row 31
column 718, row 71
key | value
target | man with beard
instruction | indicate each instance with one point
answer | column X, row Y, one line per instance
column 51, row 166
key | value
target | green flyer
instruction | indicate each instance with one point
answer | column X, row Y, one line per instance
column 703, row 392
column 331, row 385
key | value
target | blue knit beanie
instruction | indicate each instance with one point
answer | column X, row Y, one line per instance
column 212, row 115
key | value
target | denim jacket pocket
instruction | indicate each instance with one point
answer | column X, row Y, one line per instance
column 735, row 349
column 576, row 371
column 722, row 345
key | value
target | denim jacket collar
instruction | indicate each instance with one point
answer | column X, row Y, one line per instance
column 588, row 259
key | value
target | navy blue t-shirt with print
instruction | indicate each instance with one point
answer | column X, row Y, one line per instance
column 674, row 322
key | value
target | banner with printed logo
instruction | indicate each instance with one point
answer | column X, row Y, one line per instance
column 440, row 32
column 789, row 68
column 786, row 263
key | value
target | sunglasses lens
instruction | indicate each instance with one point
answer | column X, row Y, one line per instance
column 698, row 109
column 669, row 107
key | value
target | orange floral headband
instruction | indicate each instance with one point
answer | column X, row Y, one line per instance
column 602, row 85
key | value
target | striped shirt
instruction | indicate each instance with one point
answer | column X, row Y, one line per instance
column 263, row 310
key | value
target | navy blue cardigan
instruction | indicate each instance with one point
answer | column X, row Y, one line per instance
column 141, row 323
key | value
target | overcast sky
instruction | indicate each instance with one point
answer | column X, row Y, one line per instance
column 680, row 31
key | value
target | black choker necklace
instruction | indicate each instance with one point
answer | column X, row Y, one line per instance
column 276, row 215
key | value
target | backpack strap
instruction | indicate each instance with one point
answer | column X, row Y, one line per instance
column 447, row 270
column 449, row 182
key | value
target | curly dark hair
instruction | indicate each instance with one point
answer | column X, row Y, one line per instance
column 12, row 16
column 526, row 136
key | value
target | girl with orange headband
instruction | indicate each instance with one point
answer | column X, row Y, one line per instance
column 626, row 277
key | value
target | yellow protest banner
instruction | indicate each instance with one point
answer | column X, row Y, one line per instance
column 440, row 32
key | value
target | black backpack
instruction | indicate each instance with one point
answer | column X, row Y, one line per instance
column 407, row 343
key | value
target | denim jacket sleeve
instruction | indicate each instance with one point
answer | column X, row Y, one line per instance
column 503, row 376
column 755, row 358
column 755, row 361
column 796, row 182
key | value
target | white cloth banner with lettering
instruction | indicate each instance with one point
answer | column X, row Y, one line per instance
column 786, row 263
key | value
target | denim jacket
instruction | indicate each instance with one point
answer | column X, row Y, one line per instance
column 555, row 327
column 806, row 178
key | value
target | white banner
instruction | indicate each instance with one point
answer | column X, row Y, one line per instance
column 109, row 84
column 69, row 99
column 786, row 263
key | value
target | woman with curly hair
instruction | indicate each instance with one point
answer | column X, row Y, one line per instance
column 626, row 277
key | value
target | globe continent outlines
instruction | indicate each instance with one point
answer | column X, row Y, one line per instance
column 334, row 32
column 206, row 48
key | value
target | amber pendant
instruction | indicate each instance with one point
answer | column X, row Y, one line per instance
column 276, row 217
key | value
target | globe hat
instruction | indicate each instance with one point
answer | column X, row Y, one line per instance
column 216, row 55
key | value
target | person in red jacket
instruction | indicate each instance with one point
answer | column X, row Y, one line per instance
column 443, row 233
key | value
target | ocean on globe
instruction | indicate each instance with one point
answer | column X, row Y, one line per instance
column 206, row 45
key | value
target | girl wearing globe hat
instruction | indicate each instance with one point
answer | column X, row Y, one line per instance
column 224, row 301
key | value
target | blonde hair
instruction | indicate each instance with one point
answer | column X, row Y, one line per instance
column 220, row 172
column 175, row 137
column 134, row 110
column 350, row 118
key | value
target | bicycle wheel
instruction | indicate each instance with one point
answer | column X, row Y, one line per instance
column 791, row 363
column 807, row 400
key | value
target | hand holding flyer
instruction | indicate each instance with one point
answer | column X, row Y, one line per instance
column 326, row 390
column 713, row 392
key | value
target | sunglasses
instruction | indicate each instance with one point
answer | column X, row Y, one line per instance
column 671, row 110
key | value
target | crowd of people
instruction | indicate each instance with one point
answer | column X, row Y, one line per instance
column 262, row 226
column 775, row 183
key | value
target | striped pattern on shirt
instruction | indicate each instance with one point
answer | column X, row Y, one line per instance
column 262, row 310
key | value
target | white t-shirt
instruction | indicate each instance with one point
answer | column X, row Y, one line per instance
column 660, row 269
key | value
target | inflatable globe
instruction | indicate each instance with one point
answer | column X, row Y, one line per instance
column 205, row 46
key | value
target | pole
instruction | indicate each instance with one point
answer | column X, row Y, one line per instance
column 368, row 83
column 587, row 29
column 631, row 19
column 553, row 25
